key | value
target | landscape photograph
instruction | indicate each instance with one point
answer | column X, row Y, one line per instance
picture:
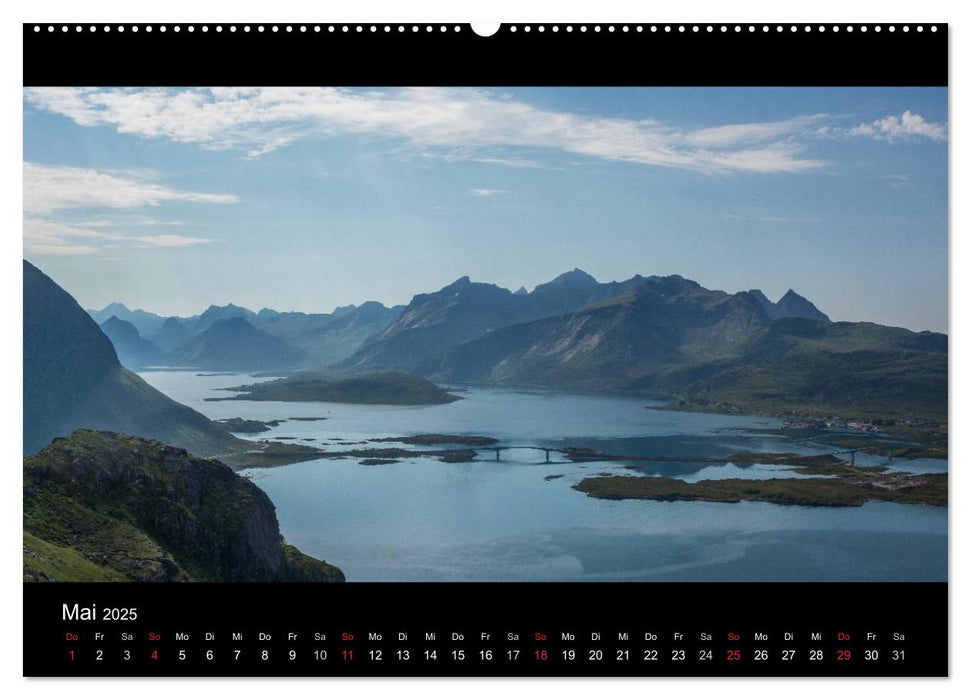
column 328, row 334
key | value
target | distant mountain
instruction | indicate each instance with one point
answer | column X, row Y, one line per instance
column 605, row 346
column 234, row 344
column 72, row 379
column 572, row 291
column 521, row 292
column 173, row 334
column 292, row 325
column 101, row 506
column 341, row 310
column 670, row 337
column 791, row 305
column 764, row 302
column 432, row 322
column 132, row 349
column 221, row 313
column 344, row 335
column 464, row 310
column 146, row 322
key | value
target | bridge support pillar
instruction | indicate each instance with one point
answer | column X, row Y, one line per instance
column 547, row 456
column 497, row 455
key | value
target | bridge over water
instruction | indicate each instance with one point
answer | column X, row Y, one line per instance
column 594, row 457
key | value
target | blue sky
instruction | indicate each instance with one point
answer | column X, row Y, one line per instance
column 310, row 198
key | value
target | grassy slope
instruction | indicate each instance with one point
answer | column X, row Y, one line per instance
column 138, row 510
column 45, row 561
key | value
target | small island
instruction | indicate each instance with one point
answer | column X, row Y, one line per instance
column 388, row 388
column 839, row 485
column 247, row 425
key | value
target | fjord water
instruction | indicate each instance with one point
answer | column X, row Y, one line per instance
column 422, row 520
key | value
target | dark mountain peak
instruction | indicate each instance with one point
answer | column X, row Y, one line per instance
column 792, row 304
column 231, row 325
column 236, row 344
column 761, row 298
column 574, row 279
column 172, row 334
column 756, row 298
column 146, row 322
column 342, row 310
column 463, row 287
column 265, row 313
column 521, row 292
column 668, row 285
column 115, row 307
column 371, row 306
column 133, row 350
column 217, row 313
column 117, row 325
column 458, row 285
column 229, row 307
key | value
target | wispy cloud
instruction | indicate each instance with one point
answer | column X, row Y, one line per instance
column 896, row 182
column 49, row 188
column 52, row 192
column 511, row 162
column 49, row 237
column 485, row 192
column 478, row 122
column 741, row 134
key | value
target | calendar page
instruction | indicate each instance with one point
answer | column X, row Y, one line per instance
column 422, row 350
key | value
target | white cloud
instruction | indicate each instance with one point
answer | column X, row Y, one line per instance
column 904, row 127
column 485, row 192
column 256, row 121
column 51, row 192
column 50, row 237
column 50, row 188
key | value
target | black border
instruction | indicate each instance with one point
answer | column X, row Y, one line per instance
column 556, row 55
column 548, row 54
column 844, row 615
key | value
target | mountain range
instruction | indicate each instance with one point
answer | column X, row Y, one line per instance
column 665, row 337
column 262, row 341
column 234, row 344
column 670, row 338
